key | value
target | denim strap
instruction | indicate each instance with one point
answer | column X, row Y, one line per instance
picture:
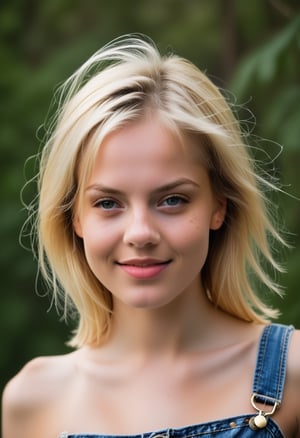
column 269, row 377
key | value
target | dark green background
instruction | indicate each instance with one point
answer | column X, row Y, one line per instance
column 250, row 48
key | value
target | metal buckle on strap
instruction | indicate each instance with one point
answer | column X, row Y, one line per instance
column 261, row 419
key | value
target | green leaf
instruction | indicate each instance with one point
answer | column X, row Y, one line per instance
column 261, row 66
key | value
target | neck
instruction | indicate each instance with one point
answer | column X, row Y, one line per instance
column 177, row 327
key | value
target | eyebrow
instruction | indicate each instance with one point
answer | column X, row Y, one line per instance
column 164, row 188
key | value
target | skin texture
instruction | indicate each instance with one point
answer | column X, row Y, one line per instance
column 172, row 358
column 161, row 217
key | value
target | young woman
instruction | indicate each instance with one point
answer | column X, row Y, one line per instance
column 152, row 224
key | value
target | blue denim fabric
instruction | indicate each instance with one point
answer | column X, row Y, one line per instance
column 268, row 385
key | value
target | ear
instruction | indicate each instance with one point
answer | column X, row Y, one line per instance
column 219, row 214
column 77, row 226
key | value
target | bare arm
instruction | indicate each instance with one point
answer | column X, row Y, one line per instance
column 29, row 402
column 17, row 409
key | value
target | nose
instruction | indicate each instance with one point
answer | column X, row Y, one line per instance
column 141, row 229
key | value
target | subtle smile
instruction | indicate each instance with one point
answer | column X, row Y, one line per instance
column 143, row 269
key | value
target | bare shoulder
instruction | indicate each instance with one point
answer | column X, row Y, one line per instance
column 293, row 380
column 38, row 380
column 294, row 356
column 32, row 391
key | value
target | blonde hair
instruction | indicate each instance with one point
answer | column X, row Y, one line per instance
column 118, row 85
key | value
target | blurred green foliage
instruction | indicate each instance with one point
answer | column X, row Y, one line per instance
column 249, row 48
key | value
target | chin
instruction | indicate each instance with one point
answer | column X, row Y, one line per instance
column 148, row 303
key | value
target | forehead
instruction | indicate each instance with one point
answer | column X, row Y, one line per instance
column 143, row 147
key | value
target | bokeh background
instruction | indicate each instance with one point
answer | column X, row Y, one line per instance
column 249, row 48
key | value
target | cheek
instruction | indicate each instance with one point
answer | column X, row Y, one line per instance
column 97, row 242
column 101, row 240
column 97, row 251
column 193, row 236
column 198, row 225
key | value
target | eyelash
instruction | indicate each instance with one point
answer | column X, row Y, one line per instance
column 101, row 204
column 181, row 199
column 110, row 205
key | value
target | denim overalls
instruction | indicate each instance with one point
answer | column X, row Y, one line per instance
column 268, row 387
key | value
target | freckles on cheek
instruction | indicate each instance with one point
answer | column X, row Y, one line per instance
column 196, row 224
column 197, row 234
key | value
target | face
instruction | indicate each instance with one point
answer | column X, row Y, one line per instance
column 146, row 215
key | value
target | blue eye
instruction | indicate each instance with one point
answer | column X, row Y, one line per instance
column 174, row 201
column 107, row 204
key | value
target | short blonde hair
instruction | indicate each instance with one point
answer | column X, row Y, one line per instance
column 118, row 85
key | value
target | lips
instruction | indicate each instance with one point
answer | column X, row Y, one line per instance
column 143, row 268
